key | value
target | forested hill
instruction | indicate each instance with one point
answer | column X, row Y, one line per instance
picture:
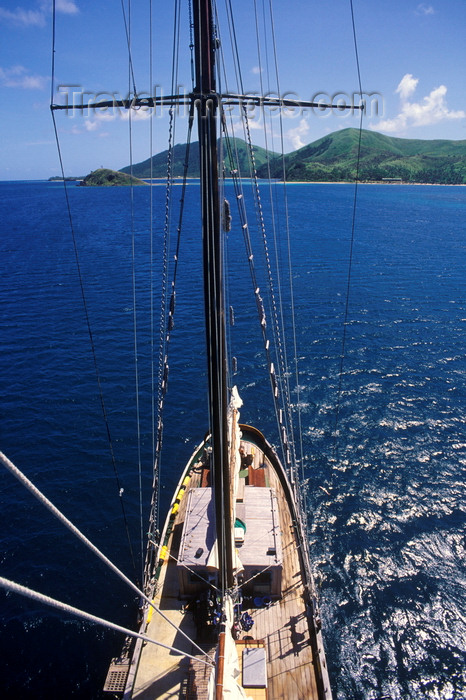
column 159, row 161
column 333, row 158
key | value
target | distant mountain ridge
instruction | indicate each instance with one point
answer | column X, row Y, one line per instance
column 333, row 158
column 159, row 161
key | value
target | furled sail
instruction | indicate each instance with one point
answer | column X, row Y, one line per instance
column 234, row 439
column 225, row 677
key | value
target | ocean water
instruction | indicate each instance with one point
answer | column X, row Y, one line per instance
column 385, row 485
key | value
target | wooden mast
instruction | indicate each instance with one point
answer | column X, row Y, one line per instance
column 206, row 102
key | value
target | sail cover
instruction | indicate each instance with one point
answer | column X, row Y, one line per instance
column 234, row 438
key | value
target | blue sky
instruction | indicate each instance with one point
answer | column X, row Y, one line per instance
column 412, row 58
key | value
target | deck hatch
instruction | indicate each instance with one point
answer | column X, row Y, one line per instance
column 254, row 668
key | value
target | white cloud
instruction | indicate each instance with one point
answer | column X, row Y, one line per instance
column 91, row 126
column 81, row 125
column 68, row 7
column 19, row 77
column 136, row 114
column 96, row 125
column 432, row 109
column 256, row 70
column 253, row 124
column 36, row 18
column 298, row 134
column 107, row 116
column 99, row 119
column 22, row 18
column 423, row 9
column 407, row 86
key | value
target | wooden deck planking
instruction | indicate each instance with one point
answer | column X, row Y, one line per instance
column 282, row 626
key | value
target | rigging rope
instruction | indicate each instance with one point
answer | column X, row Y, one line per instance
column 298, row 459
column 127, row 24
column 279, row 379
column 120, row 490
column 64, row 607
column 162, row 384
column 282, row 352
column 52, row 81
column 151, row 266
column 166, row 321
column 133, row 279
column 350, row 257
column 22, row 478
column 295, row 451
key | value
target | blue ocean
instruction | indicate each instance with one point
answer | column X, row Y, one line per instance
column 383, row 440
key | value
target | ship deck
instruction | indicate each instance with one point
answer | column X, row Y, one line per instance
column 282, row 626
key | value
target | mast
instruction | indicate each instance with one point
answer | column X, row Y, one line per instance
column 206, row 103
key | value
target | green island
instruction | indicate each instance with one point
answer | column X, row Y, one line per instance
column 333, row 158
column 104, row 177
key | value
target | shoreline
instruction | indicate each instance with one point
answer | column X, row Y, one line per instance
column 390, row 184
column 156, row 180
